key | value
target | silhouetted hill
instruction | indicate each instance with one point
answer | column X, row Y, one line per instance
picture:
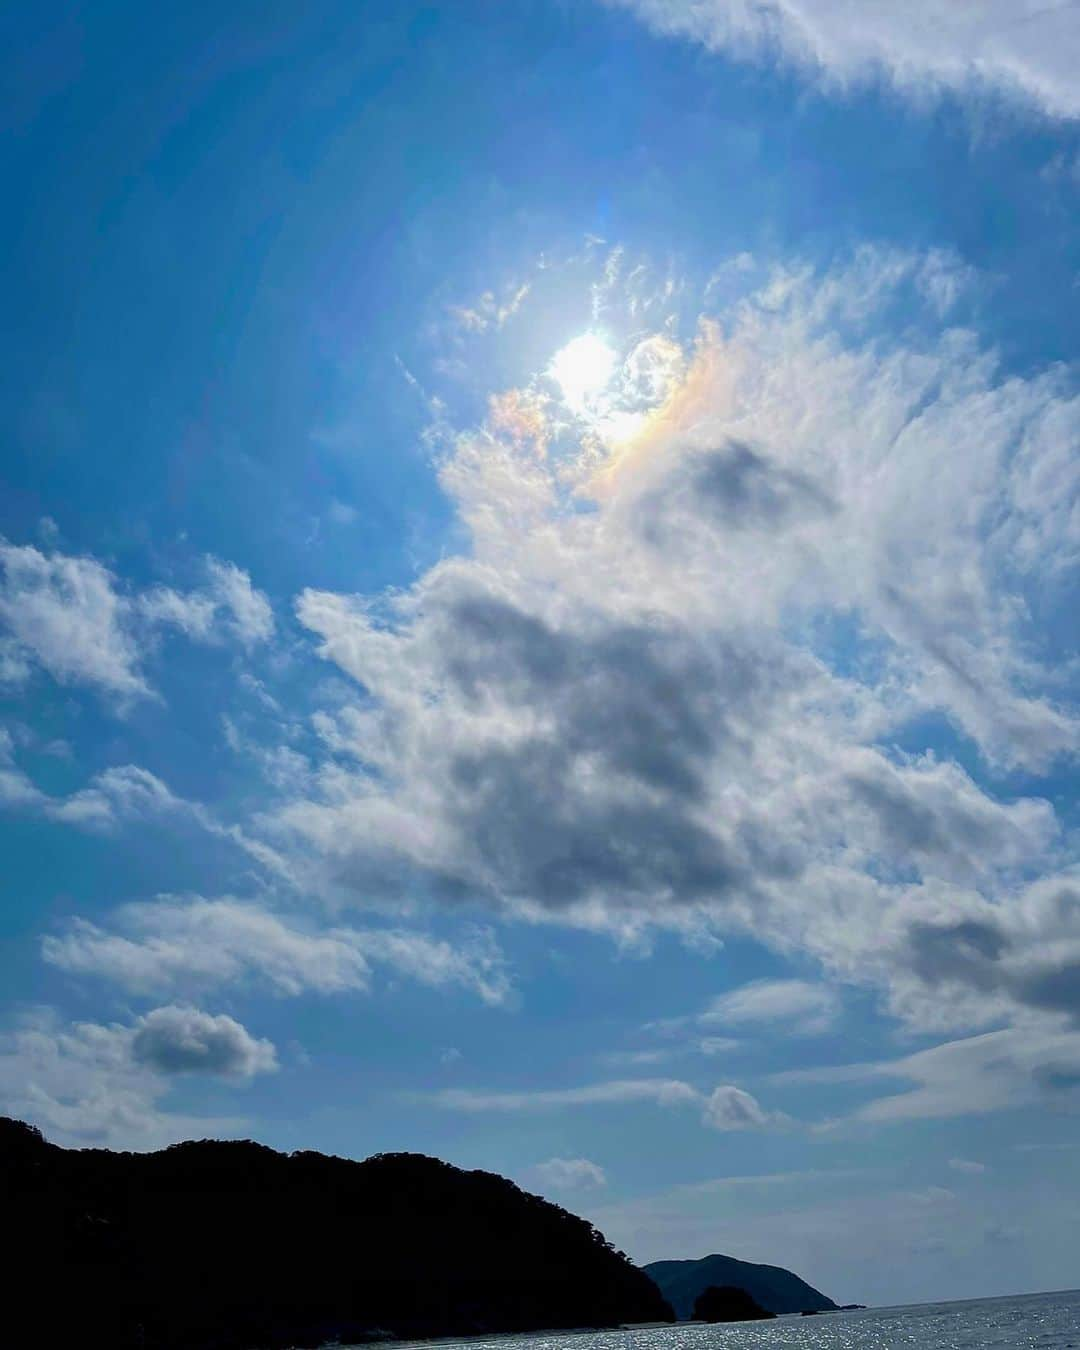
column 221, row 1246
column 725, row 1303
column 778, row 1290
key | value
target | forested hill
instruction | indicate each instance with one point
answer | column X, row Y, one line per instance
column 215, row 1245
column 774, row 1288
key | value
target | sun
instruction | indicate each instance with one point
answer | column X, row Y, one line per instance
column 582, row 368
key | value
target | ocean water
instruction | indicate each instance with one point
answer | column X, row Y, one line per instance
column 1031, row 1321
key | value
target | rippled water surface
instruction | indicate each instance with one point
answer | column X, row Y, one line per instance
column 1046, row 1321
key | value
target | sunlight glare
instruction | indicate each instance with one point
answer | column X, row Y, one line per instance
column 582, row 368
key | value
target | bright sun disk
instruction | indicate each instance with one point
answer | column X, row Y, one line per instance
column 582, row 368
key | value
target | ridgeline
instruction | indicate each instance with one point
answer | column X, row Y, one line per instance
column 217, row 1245
column 775, row 1289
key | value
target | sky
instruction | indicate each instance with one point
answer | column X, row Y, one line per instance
column 538, row 608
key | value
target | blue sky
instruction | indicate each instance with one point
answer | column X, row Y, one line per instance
column 538, row 589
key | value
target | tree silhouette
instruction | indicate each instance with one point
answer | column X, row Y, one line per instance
column 725, row 1303
column 217, row 1245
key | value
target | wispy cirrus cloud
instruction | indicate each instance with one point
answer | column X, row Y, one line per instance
column 968, row 1166
column 190, row 944
column 807, row 1009
column 1028, row 48
column 568, row 1174
column 723, row 1108
column 1036, row 1061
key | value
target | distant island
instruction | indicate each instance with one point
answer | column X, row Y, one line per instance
column 218, row 1245
column 727, row 1304
column 776, row 1290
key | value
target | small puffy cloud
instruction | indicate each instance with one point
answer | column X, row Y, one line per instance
column 249, row 615
column 570, row 1174
column 1030, row 49
column 66, row 614
column 122, row 793
column 185, row 1040
column 228, row 605
column 16, row 788
column 73, row 618
column 730, row 1108
column 176, row 944
column 967, row 1166
column 639, row 1058
column 808, row 1008
column 126, row 792
column 15, row 667
column 717, row 1045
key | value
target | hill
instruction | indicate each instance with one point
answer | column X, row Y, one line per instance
column 776, row 1289
column 218, row 1245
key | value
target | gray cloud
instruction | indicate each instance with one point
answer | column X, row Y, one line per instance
column 184, row 1040
column 730, row 487
column 1028, row 952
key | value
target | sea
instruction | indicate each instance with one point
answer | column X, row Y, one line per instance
column 1031, row 1321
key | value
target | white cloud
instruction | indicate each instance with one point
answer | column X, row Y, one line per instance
column 72, row 617
column 729, row 1108
column 1036, row 1061
column 716, row 1045
column 248, row 611
column 66, row 613
column 569, row 1174
column 812, row 1008
column 86, row 1084
column 662, row 1091
column 126, row 792
column 15, row 668
column 967, row 1166
column 489, row 311
column 725, row 1108
column 1027, row 47
column 180, row 945
column 228, row 605
column 679, row 706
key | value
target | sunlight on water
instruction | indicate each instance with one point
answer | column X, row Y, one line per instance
column 1042, row 1321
